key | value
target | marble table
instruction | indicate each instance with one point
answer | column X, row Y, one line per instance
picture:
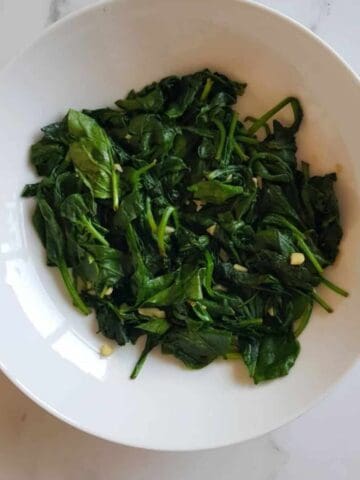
column 322, row 445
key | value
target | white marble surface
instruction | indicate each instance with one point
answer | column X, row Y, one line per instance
column 322, row 445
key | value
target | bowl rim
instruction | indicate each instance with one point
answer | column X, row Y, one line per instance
column 43, row 403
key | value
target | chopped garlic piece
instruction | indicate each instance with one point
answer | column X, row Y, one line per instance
column 211, row 230
column 169, row 229
column 128, row 136
column 271, row 312
column 220, row 288
column 297, row 258
column 106, row 350
column 259, row 182
column 239, row 268
column 223, row 255
column 255, row 180
column 229, row 177
column 108, row 291
column 199, row 204
column 118, row 167
column 152, row 312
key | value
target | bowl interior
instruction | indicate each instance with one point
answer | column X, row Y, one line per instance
column 90, row 60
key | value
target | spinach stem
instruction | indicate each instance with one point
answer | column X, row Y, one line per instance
column 161, row 229
column 305, row 167
column 231, row 143
column 149, row 345
column 209, row 270
column 334, row 287
column 150, row 217
column 222, row 138
column 250, row 322
column 92, row 230
column 69, row 284
column 322, row 303
column 141, row 171
column 266, row 155
column 306, row 250
column 295, row 105
column 230, row 139
column 139, row 364
column 303, row 320
column 239, row 150
column 265, row 126
column 303, row 245
column 233, row 125
column 115, row 188
column 247, row 140
column 207, row 88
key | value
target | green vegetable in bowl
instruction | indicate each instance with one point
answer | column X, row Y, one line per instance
column 173, row 219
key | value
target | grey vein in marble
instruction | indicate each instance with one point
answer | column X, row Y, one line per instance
column 324, row 11
column 55, row 10
column 61, row 8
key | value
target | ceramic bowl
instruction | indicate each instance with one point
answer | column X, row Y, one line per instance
column 47, row 348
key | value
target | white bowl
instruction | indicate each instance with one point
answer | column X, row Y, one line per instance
column 89, row 60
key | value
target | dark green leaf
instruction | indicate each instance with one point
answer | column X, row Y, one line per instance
column 197, row 348
column 92, row 155
column 275, row 358
column 215, row 192
column 46, row 156
column 150, row 99
column 157, row 326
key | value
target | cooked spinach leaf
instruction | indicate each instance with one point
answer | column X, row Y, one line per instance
column 172, row 219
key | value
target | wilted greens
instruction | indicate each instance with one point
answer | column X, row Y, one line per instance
column 174, row 219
